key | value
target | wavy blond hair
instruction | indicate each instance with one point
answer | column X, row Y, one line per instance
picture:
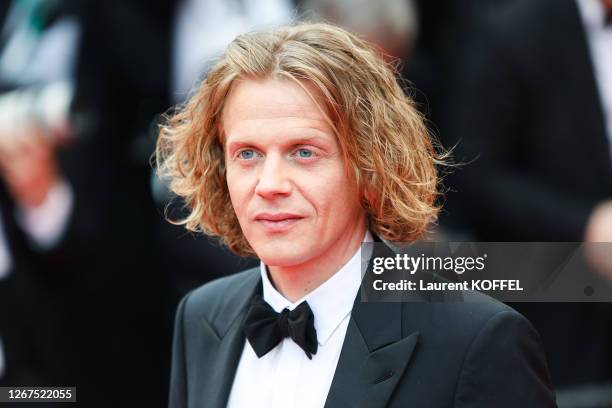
column 384, row 139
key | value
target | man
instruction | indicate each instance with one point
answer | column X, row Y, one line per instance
column 298, row 146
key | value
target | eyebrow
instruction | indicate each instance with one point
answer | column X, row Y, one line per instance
column 241, row 141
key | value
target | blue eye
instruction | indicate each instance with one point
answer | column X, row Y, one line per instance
column 304, row 153
column 246, row 154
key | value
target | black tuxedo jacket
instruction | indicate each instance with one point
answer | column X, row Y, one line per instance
column 478, row 353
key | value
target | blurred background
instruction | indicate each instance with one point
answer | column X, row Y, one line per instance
column 91, row 272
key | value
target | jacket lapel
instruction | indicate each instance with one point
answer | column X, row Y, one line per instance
column 373, row 358
column 228, row 352
column 374, row 355
column 225, row 341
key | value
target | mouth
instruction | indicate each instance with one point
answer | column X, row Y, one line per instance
column 277, row 222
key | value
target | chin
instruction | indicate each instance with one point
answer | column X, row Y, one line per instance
column 282, row 254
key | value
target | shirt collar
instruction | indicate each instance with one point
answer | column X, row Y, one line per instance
column 592, row 13
column 331, row 302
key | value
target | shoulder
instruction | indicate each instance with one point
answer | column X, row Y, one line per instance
column 479, row 315
column 480, row 341
column 472, row 311
column 456, row 325
column 503, row 341
column 465, row 317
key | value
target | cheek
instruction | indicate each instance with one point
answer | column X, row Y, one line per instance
column 236, row 187
column 334, row 196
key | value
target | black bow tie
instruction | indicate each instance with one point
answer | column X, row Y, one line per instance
column 264, row 328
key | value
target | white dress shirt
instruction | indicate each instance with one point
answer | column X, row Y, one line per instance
column 285, row 377
column 599, row 38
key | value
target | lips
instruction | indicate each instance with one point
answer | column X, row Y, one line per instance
column 277, row 222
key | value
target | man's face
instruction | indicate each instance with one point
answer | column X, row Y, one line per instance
column 286, row 174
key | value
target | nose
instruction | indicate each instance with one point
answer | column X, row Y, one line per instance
column 274, row 179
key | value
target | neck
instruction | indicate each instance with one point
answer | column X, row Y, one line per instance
column 296, row 281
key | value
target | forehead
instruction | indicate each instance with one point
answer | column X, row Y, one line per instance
column 253, row 104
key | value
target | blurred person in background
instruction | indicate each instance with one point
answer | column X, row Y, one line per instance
column 38, row 41
column 532, row 115
column 390, row 25
column 397, row 29
column 71, row 187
